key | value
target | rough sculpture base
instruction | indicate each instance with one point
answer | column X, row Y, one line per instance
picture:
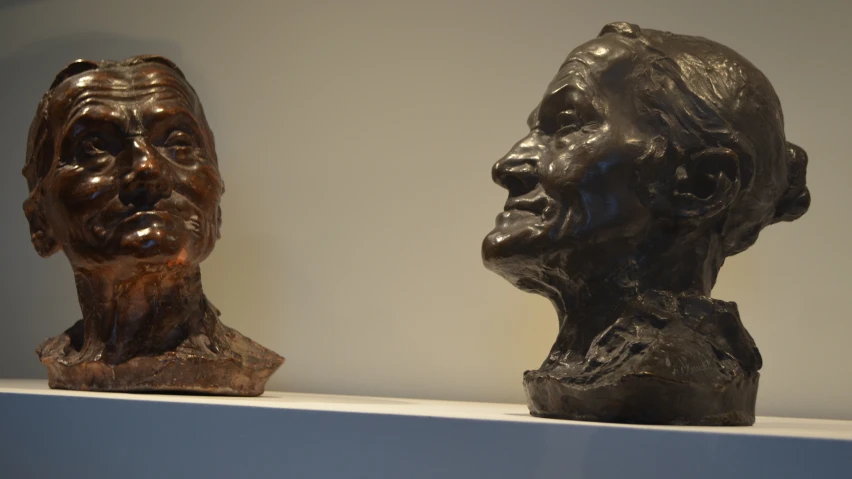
column 641, row 399
column 240, row 370
column 669, row 359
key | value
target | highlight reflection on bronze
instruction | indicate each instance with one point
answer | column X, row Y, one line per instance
column 124, row 178
column 650, row 159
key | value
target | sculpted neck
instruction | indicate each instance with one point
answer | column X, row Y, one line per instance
column 588, row 302
column 130, row 312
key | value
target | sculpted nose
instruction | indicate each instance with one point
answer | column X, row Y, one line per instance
column 148, row 179
column 518, row 171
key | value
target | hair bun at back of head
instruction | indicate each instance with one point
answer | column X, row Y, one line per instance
column 794, row 202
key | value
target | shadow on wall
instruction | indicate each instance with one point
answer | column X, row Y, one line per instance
column 38, row 296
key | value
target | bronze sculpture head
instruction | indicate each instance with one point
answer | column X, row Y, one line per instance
column 135, row 180
column 124, row 178
column 651, row 158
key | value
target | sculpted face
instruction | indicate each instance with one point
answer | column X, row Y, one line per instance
column 134, row 173
column 569, row 179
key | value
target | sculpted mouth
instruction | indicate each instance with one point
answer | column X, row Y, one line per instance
column 140, row 214
column 192, row 223
column 125, row 219
column 534, row 202
column 145, row 217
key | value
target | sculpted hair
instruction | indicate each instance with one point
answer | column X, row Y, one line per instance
column 699, row 94
column 40, row 147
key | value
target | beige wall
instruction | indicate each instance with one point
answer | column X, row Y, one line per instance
column 356, row 140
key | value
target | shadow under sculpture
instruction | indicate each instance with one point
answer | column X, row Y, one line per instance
column 123, row 177
column 651, row 158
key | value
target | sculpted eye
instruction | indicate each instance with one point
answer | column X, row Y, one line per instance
column 93, row 151
column 93, row 145
column 568, row 121
column 179, row 139
column 180, row 146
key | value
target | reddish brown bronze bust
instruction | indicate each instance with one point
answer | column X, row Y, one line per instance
column 123, row 177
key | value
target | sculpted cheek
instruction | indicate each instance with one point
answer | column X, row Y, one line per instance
column 75, row 192
column 612, row 209
column 92, row 189
column 591, row 178
column 201, row 183
column 567, row 168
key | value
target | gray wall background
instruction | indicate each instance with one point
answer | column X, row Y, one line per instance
column 356, row 140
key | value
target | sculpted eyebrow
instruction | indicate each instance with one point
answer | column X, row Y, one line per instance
column 86, row 117
column 170, row 115
column 568, row 79
column 161, row 122
column 556, row 100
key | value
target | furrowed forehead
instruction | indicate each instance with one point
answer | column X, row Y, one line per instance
column 599, row 58
column 127, row 83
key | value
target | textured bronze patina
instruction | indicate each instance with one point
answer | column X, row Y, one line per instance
column 651, row 158
column 123, row 177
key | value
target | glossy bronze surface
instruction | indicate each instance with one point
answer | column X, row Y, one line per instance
column 123, row 177
column 651, row 158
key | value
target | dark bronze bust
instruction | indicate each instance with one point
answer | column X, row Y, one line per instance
column 651, row 158
column 123, row 177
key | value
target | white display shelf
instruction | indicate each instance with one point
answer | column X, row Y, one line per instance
column 61, row 434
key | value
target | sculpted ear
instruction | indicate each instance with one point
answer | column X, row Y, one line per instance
column 707, row 183
column 40, row 232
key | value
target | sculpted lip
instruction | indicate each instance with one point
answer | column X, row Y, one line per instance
column 533, row 208
column 535, row 202
column 140, row 215
column 104, row 224
column 147, row 213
